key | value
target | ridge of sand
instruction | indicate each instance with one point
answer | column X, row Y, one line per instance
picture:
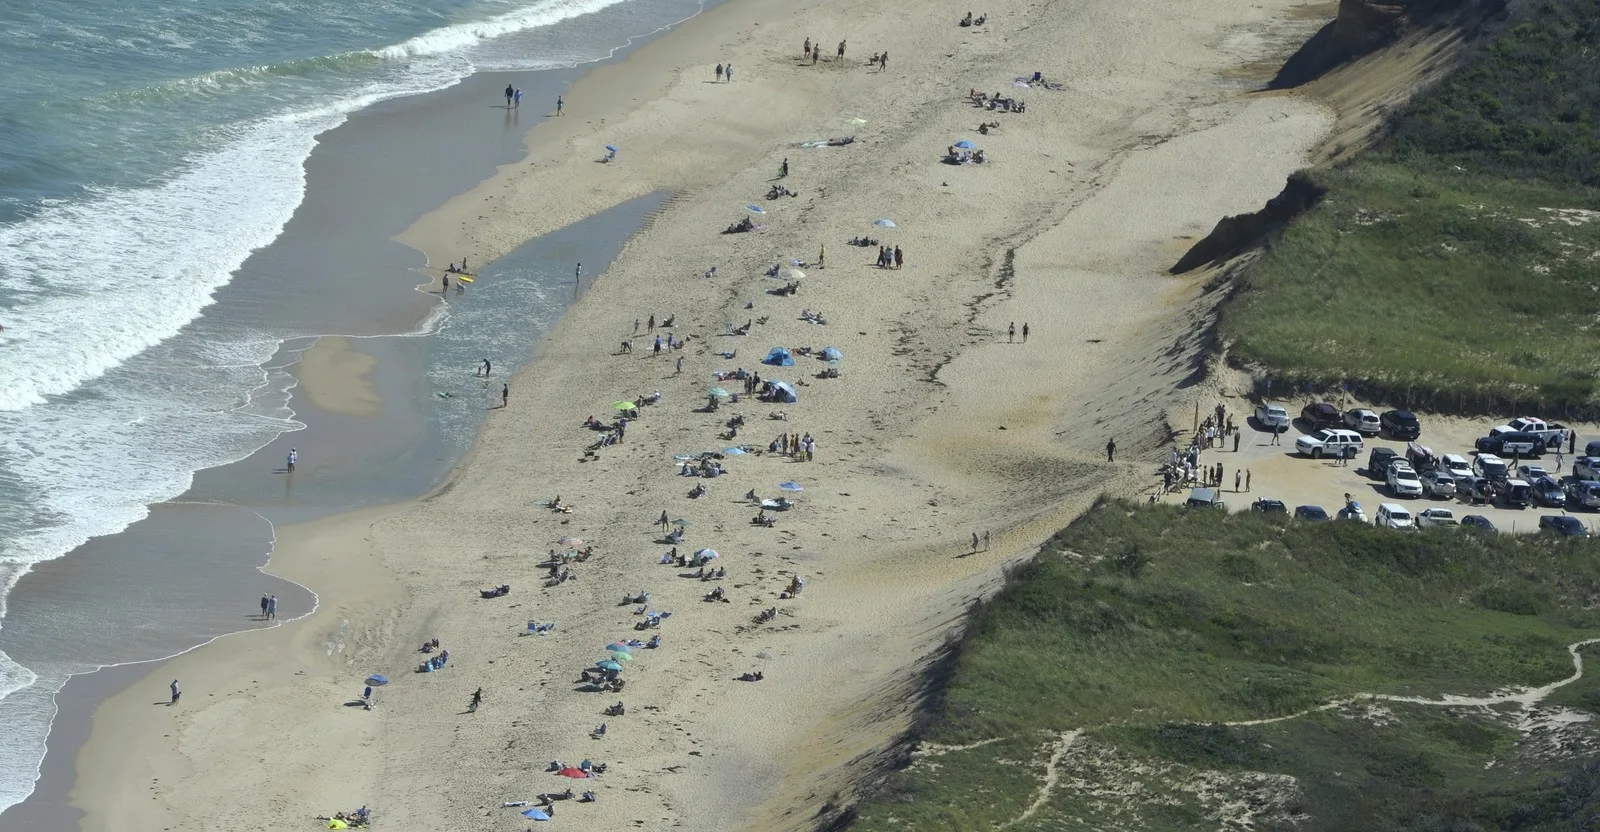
column 939, row 427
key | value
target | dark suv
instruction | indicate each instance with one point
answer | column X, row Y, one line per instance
column 1400, row 424
column 1378, row 462
column 1322, row 415
column 1562, row 525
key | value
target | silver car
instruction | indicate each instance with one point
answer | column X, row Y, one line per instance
column 1438, row 483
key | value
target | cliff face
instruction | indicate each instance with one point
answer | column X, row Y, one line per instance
column 1365, row 25
column 1237, row 234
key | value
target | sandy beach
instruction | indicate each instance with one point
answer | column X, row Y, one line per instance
column 942, row 424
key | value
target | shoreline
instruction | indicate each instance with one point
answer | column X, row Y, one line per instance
column 384, row 633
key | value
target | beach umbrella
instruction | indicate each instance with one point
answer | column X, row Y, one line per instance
column 884, row 223
column 681, row 522
column 779, row 357
column 571, row 541
column 618, row 647
column 755, row 209
column 794, row 274
column 787, row 390
column 612, row 148
column 965, row 145
column 608, row 664
column 791, row 485
column 683, row 457
column 707, row 554
column 832, row 353
column 619, row 656
column 735, row 451
column 574, row 773
column 624, row 406
column 856, row 120
column 377, row 680
column 536, row 814
column 719, row 392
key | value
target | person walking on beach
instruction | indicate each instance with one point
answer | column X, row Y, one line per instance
column 1024, row 332
column 783, row 170
column 729, row 73
column 883, row 62
column 176, row 692
column 559, row 103
column 510, row 92
column 577, row 273
column 294, row 457
column 272, row 608
column 651, row 324
column 1011, row 333
column 477, row 699
column 663, row 522
column 1235, row 441
column 1247, row 479
column 898, row 259
column 505, row 395
column 263, row 608
column 986, row 541
column 516, row 100
column 679, row 371
column 974, row 541
column 719, row 73
column 446, row 289
column 1236, row 478
column 1111, row 450
column 657, row 348
column 841, row 50
column 808, row 47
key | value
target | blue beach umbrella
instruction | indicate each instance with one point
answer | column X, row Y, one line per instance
column 612, row 148
column 786, row 392
column 377, row 680
column 618, row 647
column 791, row 485
column 965, row 145
column 735, row 451
column 832, row 353
column 755, row 209
column 536, row 814
column 608, row 664
column 884, row 223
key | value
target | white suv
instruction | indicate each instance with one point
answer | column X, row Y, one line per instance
column 1272, row 417
column 1328, row 442
column 1404, row 482
column 1392, row 516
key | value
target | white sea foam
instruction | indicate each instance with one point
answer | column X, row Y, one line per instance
column 463, row 36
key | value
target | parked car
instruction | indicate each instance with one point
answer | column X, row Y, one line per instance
column 1563, row 525
column 1490, row 467
column 1403, row 481
column 1550, row 433
column 1267, row 505
column 1584, row 494
column 1477, row 521
column 1401, row 424
column 1420, row 456
column 1515, row 442
column 1532, row 473
column 1271, row 416
column 1547, row 492
column 1205, row 498
column 1352, row 511
column 1456, row 464
column 1437, row 483
column 1393, row 516
column 1378, row 462
column 1513, row 493
column 1474, row 490
column 1310, row 514
column 1592, row 448
column 1321, row 415
column 1362, row 421
column 1329, row 442
column 1437, row 518
column 1586, row 468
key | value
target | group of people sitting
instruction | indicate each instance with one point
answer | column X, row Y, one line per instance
column 761, row 519
column 497, row 592
column 716, row 595
column 812, row 317
column 969, row 21
column 779, row 190
column 556, row 505
column 796, row 584
column 433, row 662
column 740, row 227
column 997, row 102
column 959, row 156
column 752, row 677
column 702, row 468
column 717, row 574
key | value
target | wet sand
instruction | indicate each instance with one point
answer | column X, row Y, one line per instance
column 940, row 426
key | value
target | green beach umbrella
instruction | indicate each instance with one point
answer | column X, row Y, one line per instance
column 619, row 656
column 624, row 406
column 719, row 392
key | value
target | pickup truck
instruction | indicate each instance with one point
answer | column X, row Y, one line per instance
column 1552, row 434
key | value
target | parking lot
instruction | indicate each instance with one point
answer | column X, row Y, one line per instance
column 1278, row 472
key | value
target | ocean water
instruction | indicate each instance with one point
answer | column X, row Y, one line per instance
column 145, row 152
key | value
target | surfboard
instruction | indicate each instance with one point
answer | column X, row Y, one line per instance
column 463, row 278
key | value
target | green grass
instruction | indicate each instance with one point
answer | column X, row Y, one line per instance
column 1436, row 274
column 1147, row 626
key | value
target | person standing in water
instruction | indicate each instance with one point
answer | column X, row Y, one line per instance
column 505, row 395
column 263, row 608
column 510, row 92
column 560, row 102
column 516, row 100
column 272, row 608
column 294, row 457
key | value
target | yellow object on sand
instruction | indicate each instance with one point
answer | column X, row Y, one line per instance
column 338, row 824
